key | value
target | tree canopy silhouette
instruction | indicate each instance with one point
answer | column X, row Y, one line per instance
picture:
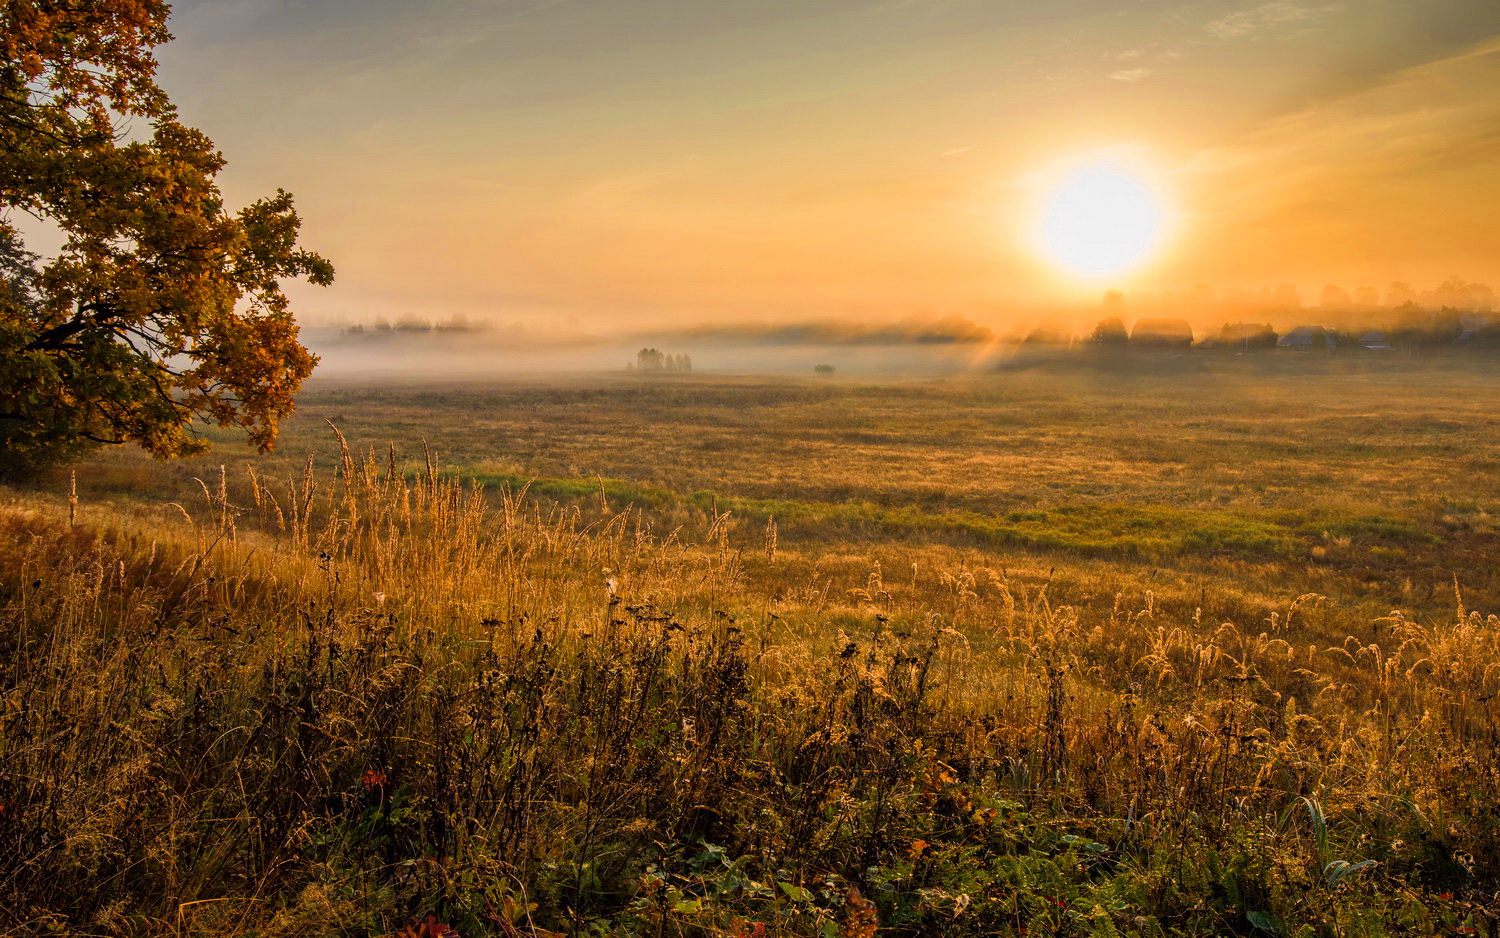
column 1110, row 332
column 162, row 307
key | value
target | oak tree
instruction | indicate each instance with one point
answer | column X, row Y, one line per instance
column 162, row 309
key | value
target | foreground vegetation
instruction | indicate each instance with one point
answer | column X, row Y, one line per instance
column 372, row 696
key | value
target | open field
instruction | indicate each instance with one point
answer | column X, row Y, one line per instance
column 1047, row 653
column 1375, row 488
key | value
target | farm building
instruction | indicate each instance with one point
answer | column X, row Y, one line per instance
column 1375, row 341
column 1162, row 333
column 1308, row 339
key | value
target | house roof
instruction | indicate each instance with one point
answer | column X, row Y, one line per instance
column 1307, row 335
column 1173, row 329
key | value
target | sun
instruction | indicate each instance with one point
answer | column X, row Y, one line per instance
column 1100, row 220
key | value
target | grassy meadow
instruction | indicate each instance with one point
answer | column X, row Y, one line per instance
column 1073, row 652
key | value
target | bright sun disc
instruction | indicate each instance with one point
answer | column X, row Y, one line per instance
column 1101, row 220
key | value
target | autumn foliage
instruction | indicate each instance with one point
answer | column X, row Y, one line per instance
column 163, row 307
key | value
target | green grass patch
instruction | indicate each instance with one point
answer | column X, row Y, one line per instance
column 1100, row 530
column 1373, row 528
column 1092, row 530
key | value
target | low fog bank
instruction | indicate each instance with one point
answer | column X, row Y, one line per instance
column 427, row 360
column 415, row 349
column 460, row 350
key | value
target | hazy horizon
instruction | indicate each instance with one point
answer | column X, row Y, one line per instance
column 673, row 162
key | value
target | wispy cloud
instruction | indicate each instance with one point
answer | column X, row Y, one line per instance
column 1138, row 62
column 1264, row 18
column 1412, row 121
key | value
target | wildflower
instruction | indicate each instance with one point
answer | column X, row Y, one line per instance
column 861, row 920
column 429, row 927
column 374, row 778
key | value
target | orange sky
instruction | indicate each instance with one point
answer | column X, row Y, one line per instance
column 656, row 161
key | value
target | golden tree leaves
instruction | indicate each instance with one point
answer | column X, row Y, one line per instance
column 162, row 308
column 95, row 55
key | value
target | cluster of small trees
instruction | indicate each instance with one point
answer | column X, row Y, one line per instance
column 1246, row 336
column 1411, row 326
column 414, row 324
column 655, row 360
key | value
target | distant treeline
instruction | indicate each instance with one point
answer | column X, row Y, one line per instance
column 1407, row 328
column 941, row 330
column 925, row 330
column 415, row 324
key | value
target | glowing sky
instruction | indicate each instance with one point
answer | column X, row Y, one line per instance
column 675, row 160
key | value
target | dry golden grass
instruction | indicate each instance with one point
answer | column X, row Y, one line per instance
column 344, row 696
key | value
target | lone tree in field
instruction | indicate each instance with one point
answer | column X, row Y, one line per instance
column 1110, row 333
column 162, row 307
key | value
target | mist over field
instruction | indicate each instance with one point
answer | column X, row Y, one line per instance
column 437, row 359
column 913, row 346
column 1454, row 316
